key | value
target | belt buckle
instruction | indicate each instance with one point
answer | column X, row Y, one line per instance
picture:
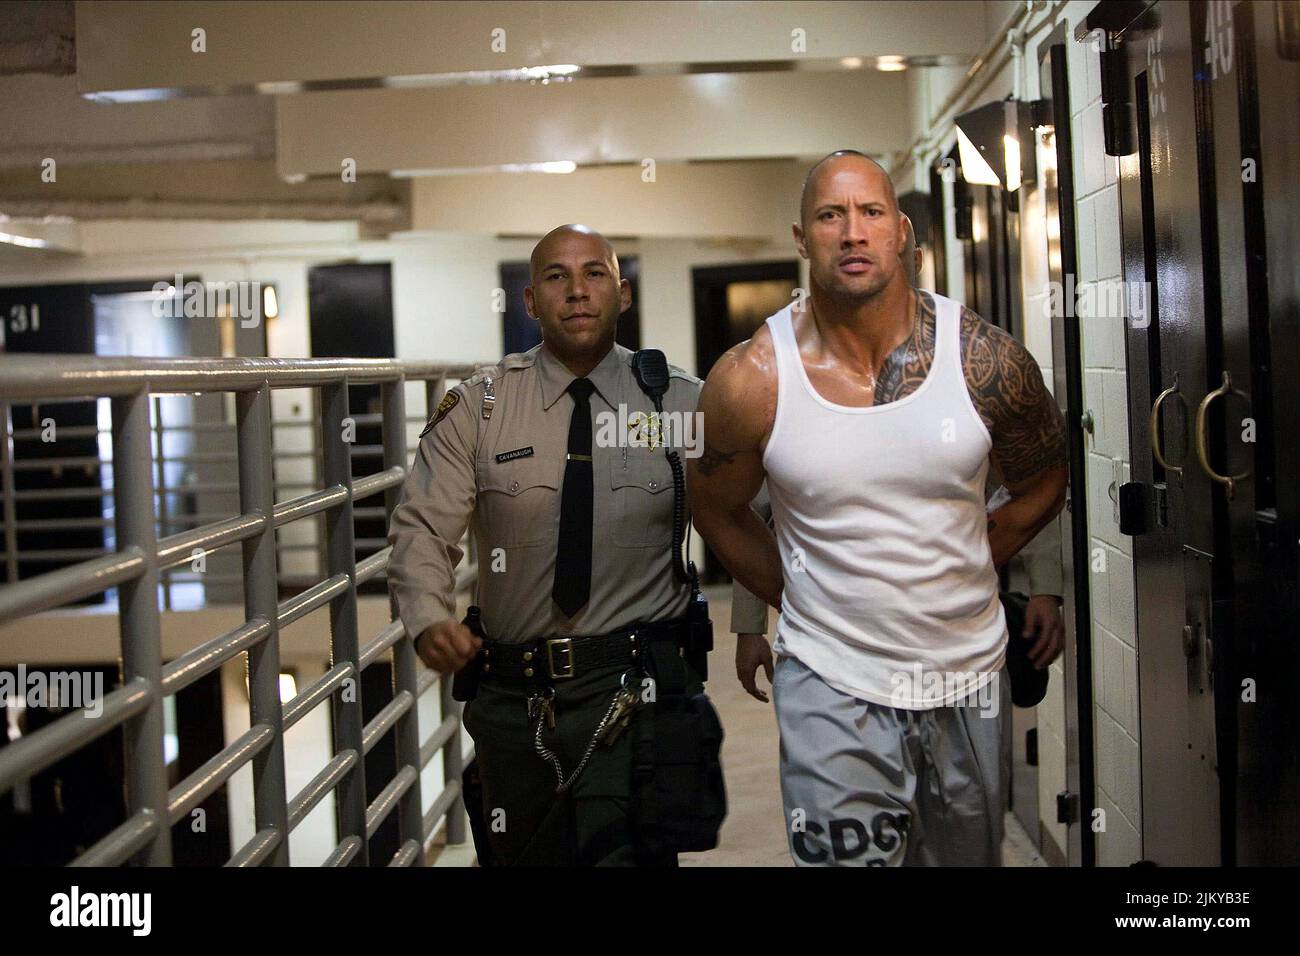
column 566, row 645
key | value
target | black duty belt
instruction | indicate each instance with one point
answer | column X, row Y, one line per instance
column 562, row 658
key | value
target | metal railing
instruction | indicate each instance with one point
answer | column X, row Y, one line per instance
column 141, row 556
column 219, row 464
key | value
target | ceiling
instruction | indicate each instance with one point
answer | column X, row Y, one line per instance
column 353, row 111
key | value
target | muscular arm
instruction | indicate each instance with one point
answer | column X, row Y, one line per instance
column 748, row 611
column 1025, row 424
column 737, row 405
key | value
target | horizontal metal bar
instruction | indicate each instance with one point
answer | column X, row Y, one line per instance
column 426, row 680
column 376, row 563
column 377, row 511
column 383, row 721
column 345, row 852
column 315, row 692
column 32, row 753
column 386, row 638
column 204, row 781
column 256, row 850
column 69, row 584
column 367, row 451
column 62, row 524
column 122, row 842
column 63, row 431
column 450, row 794
column 383, row 804
column 74, row 376
column 304, row 505
column 321, row 784
column 178, row 548
column 78, row 461
column 318, row 595
column 379, row 481
column 60, row 554
column 360, row 543
column 407, row 854
column 450, row 725
column 208, row 656
column 78, row 494
column 294, row 508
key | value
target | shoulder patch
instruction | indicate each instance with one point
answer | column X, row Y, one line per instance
column 446, row 405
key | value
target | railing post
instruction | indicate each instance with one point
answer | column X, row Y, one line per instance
column 261, row 597
column 453, row 760
column 163, row 529
column 10, row 505
column 340, row 553
column 407, row 731
column 139, row 621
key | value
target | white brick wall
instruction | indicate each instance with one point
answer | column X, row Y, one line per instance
column 1115, row 697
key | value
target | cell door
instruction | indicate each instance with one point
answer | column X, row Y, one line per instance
column 1152, row 120
column 1248, row 75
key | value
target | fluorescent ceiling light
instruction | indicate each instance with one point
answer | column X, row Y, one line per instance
column 560, row 166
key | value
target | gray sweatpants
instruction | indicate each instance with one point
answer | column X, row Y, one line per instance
column 866, row 784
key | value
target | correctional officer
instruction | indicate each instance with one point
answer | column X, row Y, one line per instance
column 555, row 459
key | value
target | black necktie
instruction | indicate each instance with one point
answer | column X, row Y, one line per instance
column 573, row 554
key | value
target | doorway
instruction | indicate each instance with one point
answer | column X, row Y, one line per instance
column 731, row 302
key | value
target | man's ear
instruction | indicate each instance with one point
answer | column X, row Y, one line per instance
column 797, row 230
column 528, row 303
column 624, row 295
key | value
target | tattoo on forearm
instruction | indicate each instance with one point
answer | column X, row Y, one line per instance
column 713, row 459
column 1012, row 399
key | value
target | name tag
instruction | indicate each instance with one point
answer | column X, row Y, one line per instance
column 512, row 455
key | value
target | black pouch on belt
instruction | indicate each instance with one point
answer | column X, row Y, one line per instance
column 678, row 796
column 472, row 792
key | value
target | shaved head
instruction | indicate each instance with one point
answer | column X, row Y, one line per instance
column 833, row 161
column 544, row 249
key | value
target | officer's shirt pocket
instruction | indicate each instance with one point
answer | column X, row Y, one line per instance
column 641, row 487
column 518, row 502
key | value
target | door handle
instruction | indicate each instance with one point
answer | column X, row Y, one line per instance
column 1202, row 453
column 1154, row 427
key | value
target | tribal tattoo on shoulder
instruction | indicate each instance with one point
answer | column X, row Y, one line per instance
column 1007, row 387
column 907, row 365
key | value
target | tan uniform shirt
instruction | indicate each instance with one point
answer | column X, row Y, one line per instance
column 501, row 476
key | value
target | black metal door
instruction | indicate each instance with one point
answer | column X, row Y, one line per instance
column 1202, row 103
column 1152, row 112
column 1249, row 79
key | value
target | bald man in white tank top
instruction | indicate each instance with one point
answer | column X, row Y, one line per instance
column 873, row 411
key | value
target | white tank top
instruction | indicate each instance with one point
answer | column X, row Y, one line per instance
column 890, row 590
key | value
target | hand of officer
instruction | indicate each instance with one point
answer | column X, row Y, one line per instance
column 1043, row 620
column 751, row 653
column 447, row 647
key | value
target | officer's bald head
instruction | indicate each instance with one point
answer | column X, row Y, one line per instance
column 545, row 251
column 829, row 164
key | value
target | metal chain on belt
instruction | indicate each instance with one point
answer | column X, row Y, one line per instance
column 618, row 709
